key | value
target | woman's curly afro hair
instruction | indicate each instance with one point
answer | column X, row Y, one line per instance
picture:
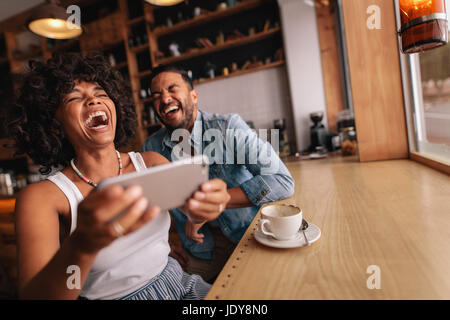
column 31, row 120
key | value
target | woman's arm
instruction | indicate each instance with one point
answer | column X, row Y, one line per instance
column 43, row 263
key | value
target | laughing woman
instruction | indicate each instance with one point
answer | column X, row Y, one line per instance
column 74, row 113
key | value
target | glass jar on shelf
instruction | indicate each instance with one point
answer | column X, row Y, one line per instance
column 345, row 119
column 348, row 141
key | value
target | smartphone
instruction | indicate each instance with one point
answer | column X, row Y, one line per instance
column 169, row 185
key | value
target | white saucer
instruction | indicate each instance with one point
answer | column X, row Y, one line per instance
column 312, row 233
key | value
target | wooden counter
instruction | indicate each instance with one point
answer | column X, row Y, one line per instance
column 391, row 214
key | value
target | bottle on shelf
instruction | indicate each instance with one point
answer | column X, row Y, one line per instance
column 180, row 17
column 197, row 12
column 220, row 38
column 130, row 42
column 210, row 69
column 138, row 40
column 112, row 60
column 174, row 49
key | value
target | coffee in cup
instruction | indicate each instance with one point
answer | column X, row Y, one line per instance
column 281, row 221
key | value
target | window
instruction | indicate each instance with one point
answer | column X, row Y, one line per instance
column 429, row 123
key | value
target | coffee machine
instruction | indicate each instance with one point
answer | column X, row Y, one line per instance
column 280, row 124
column 318, row 133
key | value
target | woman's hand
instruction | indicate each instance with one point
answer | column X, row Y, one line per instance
column 209, row 202
column 94, row 227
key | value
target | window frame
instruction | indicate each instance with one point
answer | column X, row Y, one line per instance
column 413, row 104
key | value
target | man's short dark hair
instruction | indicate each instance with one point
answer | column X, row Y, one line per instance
column 174, row 69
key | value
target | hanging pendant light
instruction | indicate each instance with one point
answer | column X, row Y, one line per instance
column 51, row 21
column 424, row 25
column 164, row 2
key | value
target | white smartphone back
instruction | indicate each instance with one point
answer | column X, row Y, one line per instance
column 167, row 186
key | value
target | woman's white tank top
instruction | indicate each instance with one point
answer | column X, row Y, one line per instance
column 129, row 262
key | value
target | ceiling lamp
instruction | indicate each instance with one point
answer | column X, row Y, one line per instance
column 51, row 21
column 424, row 25
column 164, row 2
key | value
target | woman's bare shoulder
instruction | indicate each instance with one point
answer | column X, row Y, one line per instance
column 38, row 189
column 38, row 195
column 152, row 159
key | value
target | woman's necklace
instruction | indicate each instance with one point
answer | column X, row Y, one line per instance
column 90, row 181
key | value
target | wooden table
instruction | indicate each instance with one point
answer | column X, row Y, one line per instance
column 391, row 214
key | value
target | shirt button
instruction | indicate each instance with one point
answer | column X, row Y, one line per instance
column 264, row 192
column 259, row 198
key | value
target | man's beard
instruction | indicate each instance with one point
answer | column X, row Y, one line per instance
column 187, row 121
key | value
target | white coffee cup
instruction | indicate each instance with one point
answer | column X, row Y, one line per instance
column 280, row 221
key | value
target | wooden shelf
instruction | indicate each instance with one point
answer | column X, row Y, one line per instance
column 104, row 47
column 241, row 72
column 111, row 45
column 435, row 95
column 135, row 21
column 227, row 45
column 140, row 48
column 441, row 97
column 144, row 73
column 121, row 65
column 145, row 100
column 208, row 17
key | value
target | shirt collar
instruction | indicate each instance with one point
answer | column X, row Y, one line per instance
column 197, row 129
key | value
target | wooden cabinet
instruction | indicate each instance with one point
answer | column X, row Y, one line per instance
column 377, row 87
column 242, row 36
column 5, row 95
column 211, row 39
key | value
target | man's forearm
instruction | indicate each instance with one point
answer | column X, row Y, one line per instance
column 238, row 199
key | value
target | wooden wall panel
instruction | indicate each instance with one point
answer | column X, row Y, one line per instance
column 376, row 81
column 326, row 27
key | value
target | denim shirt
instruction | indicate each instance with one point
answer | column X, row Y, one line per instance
column 238, row 157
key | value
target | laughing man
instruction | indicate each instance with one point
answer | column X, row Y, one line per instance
column 253, row 172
